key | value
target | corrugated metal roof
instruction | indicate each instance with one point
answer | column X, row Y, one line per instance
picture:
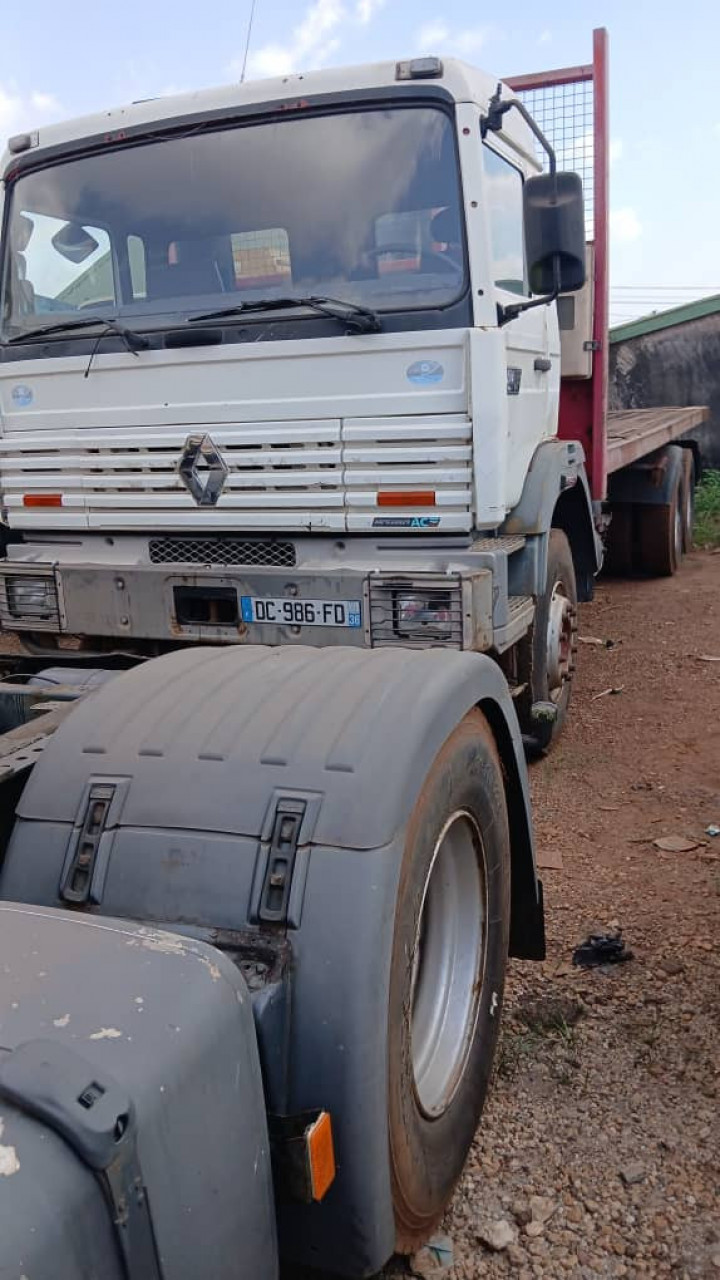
column 666, row 319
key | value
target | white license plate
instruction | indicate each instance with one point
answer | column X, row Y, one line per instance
column 292, row 612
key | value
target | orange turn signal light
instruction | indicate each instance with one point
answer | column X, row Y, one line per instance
column 42, row 499
column 407, row 498
column 321, row 1155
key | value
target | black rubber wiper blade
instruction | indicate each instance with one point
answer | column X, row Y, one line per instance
column 240, row 308
column 61, row 327
column 131, row 338
column 358, row 319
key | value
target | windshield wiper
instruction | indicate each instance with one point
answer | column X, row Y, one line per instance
column 357, row 319
column 133, row 341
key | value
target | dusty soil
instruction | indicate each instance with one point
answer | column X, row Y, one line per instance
column 606, row 1100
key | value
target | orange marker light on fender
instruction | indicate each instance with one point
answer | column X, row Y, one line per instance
column 321, row 1155
column 42, row 500
column 407, row 498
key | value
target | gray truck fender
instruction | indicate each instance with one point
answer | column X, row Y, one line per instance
column 202, row 744
column 206, row 736
column 556, row 494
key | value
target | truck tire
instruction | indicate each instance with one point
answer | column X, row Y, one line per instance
column 448, row 968
column 554, row 648
column 660, row 534
column 688, row 499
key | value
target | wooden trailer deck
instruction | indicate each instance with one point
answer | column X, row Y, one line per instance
column 634, row 433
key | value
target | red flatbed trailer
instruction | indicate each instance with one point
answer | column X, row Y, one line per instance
column 632, row 434
column 571, row 106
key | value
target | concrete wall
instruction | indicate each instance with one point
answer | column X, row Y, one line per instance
column 676, row 366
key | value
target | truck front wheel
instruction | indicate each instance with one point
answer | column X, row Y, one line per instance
column 448, row 969
column 553, row 651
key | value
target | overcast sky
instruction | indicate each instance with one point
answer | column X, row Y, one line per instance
column 59, row 61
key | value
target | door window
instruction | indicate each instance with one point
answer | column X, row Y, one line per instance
column 504, row 202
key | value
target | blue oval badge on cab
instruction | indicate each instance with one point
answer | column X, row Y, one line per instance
column 424, row 372
column 21, row 396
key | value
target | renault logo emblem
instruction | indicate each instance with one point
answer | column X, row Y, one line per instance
column 202, row 470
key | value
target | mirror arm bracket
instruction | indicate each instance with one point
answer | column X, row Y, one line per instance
column 498, row 107
column 511, row 312
column 514, row 309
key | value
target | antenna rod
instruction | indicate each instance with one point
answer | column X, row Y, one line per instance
column 247, row 42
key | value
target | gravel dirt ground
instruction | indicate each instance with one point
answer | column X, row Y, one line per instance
column 599, row 1149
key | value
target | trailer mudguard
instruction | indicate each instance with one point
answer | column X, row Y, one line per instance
column 649, row 482
column 100, row 1018
column 203, row 750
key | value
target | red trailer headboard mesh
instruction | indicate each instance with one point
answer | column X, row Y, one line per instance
column 565, row 115
column 571, row 107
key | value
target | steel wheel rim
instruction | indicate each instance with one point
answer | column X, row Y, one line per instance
column 560, row 640
column 688, row 515
column 447, row 963
column 678, row 531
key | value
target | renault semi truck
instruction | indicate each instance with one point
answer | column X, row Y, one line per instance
column 304, row 465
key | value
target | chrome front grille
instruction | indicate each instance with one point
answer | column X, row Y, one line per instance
column 419, row 612
column 222, row 551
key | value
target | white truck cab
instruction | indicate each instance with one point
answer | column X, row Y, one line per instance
column 271, row 371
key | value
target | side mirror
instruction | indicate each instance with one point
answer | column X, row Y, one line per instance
column 554, row 215
column 74, row 243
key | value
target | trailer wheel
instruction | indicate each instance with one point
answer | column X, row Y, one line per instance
column 448, row 968
column 688, row 499
column 660, row 535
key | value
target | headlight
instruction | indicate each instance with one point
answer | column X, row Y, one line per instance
column 419, row 611
column 31, row 598
column 428, row 616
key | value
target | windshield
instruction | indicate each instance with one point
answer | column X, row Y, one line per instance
column 362, row 206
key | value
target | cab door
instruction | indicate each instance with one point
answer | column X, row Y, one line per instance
column 532, row 363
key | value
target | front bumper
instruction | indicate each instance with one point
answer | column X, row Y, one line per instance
column 163, row 603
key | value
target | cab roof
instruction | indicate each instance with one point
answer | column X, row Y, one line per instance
column 459, row 81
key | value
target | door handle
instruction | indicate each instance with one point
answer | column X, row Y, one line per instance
column 542, row 364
